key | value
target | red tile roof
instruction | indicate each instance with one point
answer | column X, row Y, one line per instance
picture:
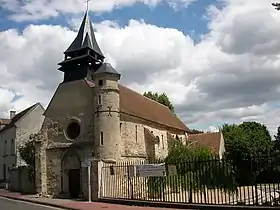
column 208, row 140
column 135, row 104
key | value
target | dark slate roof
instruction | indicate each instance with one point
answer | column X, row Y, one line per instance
column 18, row 116
column 85, row 37
column 107, row 68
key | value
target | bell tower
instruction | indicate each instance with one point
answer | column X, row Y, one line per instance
column 83, row 55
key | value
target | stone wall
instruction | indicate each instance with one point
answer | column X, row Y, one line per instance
column 62, row 112
column 20, row 180
column 135, row 143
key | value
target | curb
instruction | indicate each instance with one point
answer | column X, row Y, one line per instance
column 181, row 205
column 38, row 202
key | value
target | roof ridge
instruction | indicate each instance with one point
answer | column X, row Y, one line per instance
column 19, row 115
column 197, row 134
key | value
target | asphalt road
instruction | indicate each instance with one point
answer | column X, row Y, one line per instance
column 7, row 204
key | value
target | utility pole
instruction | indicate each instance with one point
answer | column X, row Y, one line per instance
column 276, row 5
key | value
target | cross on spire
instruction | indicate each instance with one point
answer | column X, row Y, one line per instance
column 87, row 2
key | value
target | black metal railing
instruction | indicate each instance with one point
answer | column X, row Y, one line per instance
column 251, row 180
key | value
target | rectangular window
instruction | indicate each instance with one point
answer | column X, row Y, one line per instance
column 12, row 147
column 101, row 139
column 4, row 171
column 136, row 132
column 100, row 82
column 5, row 148
column 162, row 141
column 99, row 100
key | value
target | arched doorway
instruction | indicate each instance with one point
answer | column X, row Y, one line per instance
column 71, row 173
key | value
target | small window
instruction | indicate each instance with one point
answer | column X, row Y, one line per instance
column 162, row 141
column 101, row 139
column 92, row 77
column 158, row 141
column 12, row 147
column 100, row 82
column 120, row 126
column 99, row 99
column 136, row 133
column 5, row 148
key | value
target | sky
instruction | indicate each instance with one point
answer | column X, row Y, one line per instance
column 217, row 60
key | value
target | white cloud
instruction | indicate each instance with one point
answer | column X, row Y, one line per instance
column 227, row 77
column 44, row 9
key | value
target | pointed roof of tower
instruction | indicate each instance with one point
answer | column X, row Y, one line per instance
column 85, row 37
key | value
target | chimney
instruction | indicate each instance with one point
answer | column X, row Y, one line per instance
column 12, row 114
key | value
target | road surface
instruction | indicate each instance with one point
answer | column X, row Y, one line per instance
column 8, row 204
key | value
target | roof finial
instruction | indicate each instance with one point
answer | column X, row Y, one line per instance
column 87, row 2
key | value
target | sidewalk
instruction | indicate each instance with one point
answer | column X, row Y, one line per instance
column 70, row 204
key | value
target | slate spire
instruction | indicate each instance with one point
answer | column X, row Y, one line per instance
column 85, row 38
column 83, row 57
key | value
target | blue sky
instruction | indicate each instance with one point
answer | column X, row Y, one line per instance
column 190, row 20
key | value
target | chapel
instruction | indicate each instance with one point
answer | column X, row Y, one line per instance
column 92, row 115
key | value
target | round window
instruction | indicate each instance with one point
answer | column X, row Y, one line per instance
column 73, row 130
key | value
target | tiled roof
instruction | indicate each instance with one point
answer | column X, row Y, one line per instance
column 17, row 117
column 4, row 121
column 135, row 104
column 208, row 140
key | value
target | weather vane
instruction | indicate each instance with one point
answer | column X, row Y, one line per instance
column 87, row 2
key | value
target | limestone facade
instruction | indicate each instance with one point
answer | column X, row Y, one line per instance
column 105, row 134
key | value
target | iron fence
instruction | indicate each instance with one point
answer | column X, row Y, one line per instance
column 251, row 180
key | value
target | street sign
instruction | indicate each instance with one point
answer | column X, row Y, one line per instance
column 151, row 170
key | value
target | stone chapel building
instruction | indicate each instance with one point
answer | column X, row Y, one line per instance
column 92, row 115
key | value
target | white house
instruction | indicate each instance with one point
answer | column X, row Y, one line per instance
column 15, row 133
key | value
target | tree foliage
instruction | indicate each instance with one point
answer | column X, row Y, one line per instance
column 243, row 143
column 246, row 138
column 195, row 131
column 27, row 153
column 160, row 98
column 277, row 139
column 197, row 169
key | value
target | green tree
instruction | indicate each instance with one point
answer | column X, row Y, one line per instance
column 27, row 153
column 243, row 143
column 277, row 139
column 161, row 98
column 195, row 131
